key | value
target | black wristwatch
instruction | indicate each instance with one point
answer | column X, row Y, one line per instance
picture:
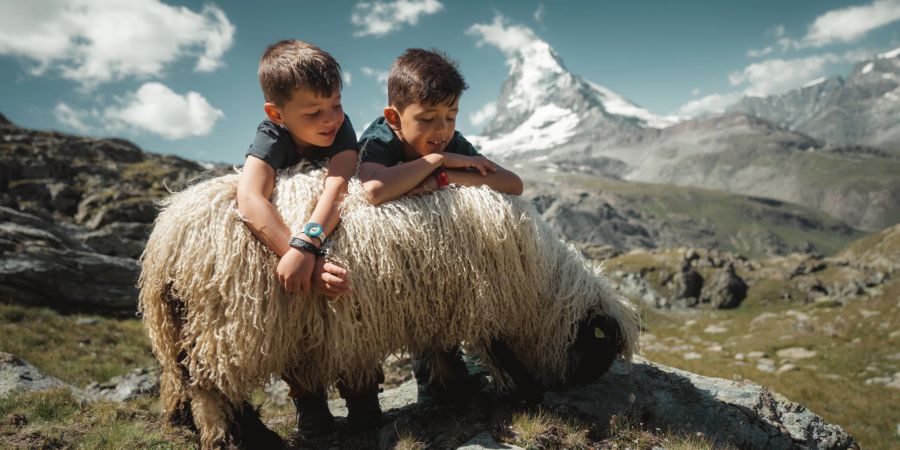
column 304, row 246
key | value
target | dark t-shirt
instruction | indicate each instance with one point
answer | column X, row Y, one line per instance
column 379, row 144
column 273, row 144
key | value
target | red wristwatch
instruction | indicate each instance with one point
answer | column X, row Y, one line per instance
column 442, row 178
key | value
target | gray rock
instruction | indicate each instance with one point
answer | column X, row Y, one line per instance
column 485, row 441
column 687, row 283
column 16, row 375
column 41, row 264
column 739, row 414
column 726, row 291
column 136, row 383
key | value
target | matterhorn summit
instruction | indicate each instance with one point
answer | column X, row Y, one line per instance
column 543, row 106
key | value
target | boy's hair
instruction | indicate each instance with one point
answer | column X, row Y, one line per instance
column 424, row 76
column 291, row 64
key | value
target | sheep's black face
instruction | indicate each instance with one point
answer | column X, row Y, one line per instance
column 597, row 343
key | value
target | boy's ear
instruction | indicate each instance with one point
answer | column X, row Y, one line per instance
column 273, row 113
column 392, row 116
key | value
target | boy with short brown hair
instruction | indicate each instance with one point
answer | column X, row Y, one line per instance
column 305, row 122
column 414, row 148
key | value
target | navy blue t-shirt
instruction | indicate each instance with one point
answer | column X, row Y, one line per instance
column 379, row 144
column 273, row 144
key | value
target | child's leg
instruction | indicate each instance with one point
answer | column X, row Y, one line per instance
column 313, row 416
column 442, row 377
column 363, row 408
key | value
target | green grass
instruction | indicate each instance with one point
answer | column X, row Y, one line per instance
column 832, row 384
column 727, row 214
column 55, row 419
column 95, row 350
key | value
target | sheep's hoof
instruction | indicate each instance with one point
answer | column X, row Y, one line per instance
column 526, row 390
column 251, row 432
column 597, row 343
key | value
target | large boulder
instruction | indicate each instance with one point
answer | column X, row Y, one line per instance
column 726, row 291
column 43, row 264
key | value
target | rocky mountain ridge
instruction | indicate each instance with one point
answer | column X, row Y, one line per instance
column 553, row 120
column 861, row 109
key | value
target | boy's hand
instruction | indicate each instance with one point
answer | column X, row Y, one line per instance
column 480, row 163
column 295, row 271
column 429, row 184
column 330, row 278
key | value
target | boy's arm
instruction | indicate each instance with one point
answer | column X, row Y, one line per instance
column 384, row 183
column 295, row 268
column 501, row 180
column 327, row 214
column 255, row 186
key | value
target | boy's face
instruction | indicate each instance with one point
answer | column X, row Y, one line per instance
column 424, row 128
column 311, row 119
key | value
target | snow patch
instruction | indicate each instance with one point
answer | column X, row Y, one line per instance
column 548, row 127
column 616, row 104
column 868, row 67
column 891, row 54
column 815, row 82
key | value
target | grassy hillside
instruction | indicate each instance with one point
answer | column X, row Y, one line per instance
column 739, row 224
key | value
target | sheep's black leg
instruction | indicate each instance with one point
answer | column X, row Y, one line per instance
column 526, row 389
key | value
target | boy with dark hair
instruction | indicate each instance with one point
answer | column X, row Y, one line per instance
column 414, row 148
column 305, row 122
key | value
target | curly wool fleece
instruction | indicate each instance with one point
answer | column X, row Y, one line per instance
column 458, row 265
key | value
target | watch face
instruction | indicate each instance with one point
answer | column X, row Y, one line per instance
column 312, row 229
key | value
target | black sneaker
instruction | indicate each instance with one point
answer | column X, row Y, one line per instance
column 313, row 416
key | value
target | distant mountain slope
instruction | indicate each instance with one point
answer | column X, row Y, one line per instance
column 864, row 108
column 552, row 119
column 594, row 212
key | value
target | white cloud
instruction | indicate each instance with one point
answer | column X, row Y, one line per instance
column 695, row 92
column 772, row 77
column 714, row 103
column 97, row 41
column 775, row 76
column 378, row 18
column 539, row 13
column 72, row 118
column 836, row 26
column 851, row 23
column 508, row 38
column 379, row 75
column 348, row 78
column 157, row 109
column 483, row 115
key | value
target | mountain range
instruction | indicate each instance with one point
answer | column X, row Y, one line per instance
column 553, row 120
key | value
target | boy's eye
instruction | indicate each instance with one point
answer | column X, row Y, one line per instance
column 452, row 119
column 338, row 106
column 313, row 114
column 427, row 119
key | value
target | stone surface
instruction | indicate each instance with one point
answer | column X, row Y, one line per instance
column 42, row 265
column 484, row 441
column 16, row 375
column 137, row 382
column 737, row 413
column 726, row 291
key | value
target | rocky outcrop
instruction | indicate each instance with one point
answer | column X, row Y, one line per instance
column 75, row 213
column 729, row 413
column 16, row 375
column 43, row 264
column 740, row 414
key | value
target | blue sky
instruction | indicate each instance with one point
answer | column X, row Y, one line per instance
column 180, row 77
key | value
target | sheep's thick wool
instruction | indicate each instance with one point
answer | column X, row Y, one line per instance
column 458, row 265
